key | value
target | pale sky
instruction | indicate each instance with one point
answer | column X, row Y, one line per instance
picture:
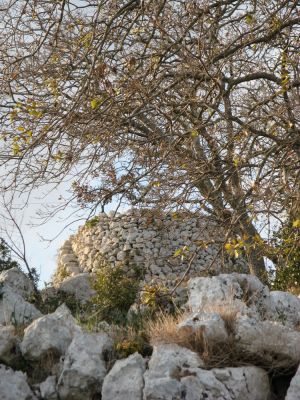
column 41, row 253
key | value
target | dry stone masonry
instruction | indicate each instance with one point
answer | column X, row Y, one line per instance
column 158, row 245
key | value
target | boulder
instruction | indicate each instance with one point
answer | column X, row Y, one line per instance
column 50, row 333
column 176, row 373
column 286, row 307
column 48, row 389
column 211, row 324
column 293, row 392
column 125, row 379
column 240, row 292
column 78, row 285
column 269, row 341
column 161, row 379
column 84, row 367
column 13, row 385
column 8, row 342
column 243, row 383
column 17, row 280
column 14, row 309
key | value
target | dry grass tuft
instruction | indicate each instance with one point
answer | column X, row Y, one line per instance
column 164, row 330
column 228, row 313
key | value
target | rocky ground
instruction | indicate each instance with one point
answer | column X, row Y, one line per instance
column 236, row 340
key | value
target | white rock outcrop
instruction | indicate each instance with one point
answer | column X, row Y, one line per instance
column 167, row 361
column 211, row 325
column 84, row 367
column 125, row 380
column 286, row 308
column 270, row 341
column 178, row 376
column 13, row 385
column 233, row 311
column 8, row 341
column 241, row 292
column 293, row 392
column 14, row 309
column 243, row 383
column 50, row 333
column 78, row 285
column 17, row 280
column 48, row 389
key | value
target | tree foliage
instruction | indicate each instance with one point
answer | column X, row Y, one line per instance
column 6, row 261
column 174, row 104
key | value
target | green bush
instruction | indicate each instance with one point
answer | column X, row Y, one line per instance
column 5, row 257
column 47, row 301
column 115, row 293
column 157, row 298
column 91, row 223
column 287, row 274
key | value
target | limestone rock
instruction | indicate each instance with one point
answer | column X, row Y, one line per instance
column 294, row 389
column 14, row 309
column 17, row 280
column 13, row 385
column 125, row 379
column 161, row 379
column 274, row 343
column 244, row 293
column 211, row 324
column 84, row 367
column 244, row 383
column 8, row 342
column 286, row 308
column 78, row 285
column 48, row 388
column 53, row 332
column 173, row 375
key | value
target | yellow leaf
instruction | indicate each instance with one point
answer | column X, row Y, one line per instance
column 177, row 252
column 228, row 246
column 296, row 223
column 249, row 19
column 34, row 113
column 236, row 161
column 156, row 184
column 194, row 133
column 16, row 149
column 21, row 128
column 94, row 104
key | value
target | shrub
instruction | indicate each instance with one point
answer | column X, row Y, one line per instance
column 286, row 277
column 60, row 274
column 156, row 297
column 133, row 335
column 91, row 223
column 115, row 293
column 49, row 299
column 5, row 257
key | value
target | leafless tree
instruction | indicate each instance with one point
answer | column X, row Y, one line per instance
column 174, row 104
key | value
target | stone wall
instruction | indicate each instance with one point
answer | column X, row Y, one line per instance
column 148, row 241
